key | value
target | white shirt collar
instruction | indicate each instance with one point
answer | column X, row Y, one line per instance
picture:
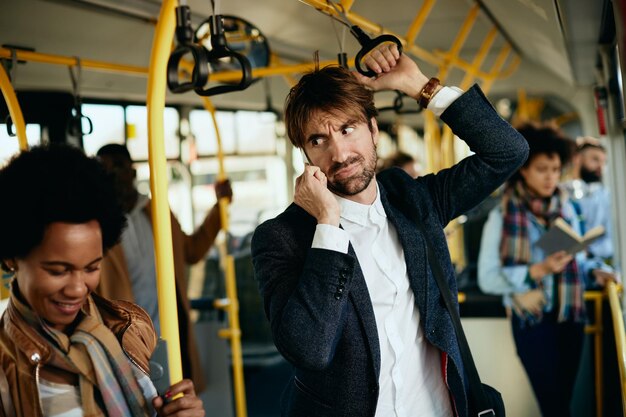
column 360, row 213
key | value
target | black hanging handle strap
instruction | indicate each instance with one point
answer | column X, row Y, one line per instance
column 219, row 50
column 185, row 45
column 367, row 44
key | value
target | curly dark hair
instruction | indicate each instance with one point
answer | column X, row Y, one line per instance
column 54, row 183
column 544, row 139
column 330, row 89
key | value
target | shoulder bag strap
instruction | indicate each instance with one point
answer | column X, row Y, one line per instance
column 475, row 386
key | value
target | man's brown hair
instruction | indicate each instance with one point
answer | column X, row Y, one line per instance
column 331, row 90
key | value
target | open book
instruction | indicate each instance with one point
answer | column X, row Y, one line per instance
column 561, row 236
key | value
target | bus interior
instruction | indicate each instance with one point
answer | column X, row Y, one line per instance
column 79, row 70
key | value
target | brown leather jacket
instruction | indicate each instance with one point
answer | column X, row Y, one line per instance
column 188, row 249
column 22, row 353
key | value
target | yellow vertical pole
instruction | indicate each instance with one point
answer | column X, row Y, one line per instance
column 522, row 105
column 14, row 108
column 431, row 139
column 18, row 121
column 597, row 339
column 231, row 305
column 596, row 329
column 166, row 287
column 620, row 337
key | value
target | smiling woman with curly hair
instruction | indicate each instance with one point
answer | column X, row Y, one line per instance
column 63, row 349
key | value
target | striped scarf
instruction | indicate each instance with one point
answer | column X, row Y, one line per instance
column 93, row 353
column 517, row 202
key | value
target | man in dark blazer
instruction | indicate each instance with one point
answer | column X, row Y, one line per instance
column 343, row 271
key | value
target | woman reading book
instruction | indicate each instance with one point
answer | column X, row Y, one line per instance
column 544, row 292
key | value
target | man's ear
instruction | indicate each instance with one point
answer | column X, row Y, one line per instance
column 374, row 130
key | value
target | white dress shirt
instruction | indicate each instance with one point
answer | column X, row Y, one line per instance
column 411, row 381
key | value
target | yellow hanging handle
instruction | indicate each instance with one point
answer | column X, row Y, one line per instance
column 164, row 254
column 231, row 304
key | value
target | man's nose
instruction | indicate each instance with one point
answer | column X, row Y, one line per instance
column 338, row 149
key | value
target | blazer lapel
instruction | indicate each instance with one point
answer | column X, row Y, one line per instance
column 413, row 246
column 362, row 303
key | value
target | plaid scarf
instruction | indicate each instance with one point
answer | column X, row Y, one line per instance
column 517, row 202
column 93, row 353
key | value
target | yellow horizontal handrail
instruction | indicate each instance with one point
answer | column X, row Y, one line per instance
column 69, row 61
column 617, row 316
column 143, row 71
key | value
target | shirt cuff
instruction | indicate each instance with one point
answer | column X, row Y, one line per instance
column 331, row 238
column 440, row 102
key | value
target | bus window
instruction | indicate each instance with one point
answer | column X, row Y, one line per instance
column 179, row 190
column 203, row 129
column 137, row 116
column 9, row 145
column 108, row 126
column 255, row 192
column 256, row 132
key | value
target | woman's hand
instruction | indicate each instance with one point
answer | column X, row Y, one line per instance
column 603, row 277
column 186, row 406
column 531, row 301
column 553, row 264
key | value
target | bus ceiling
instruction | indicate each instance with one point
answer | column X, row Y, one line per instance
column 556, row 41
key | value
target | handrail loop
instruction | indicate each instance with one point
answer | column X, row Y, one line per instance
column 12, row 73
column 184, row 38
column 367, row 44
column 75, row 122
column 220, row 50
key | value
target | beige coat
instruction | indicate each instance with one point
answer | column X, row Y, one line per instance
column 188, row 249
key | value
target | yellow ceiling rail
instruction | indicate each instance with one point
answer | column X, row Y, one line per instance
column 458, row 43
column 14, row 108
column 497, row 66
column 372, row 27
column 142, row 71
column 71, row 61
column 161, row 224
column 273, row 70
column 468, row 79
column 231, row 303
column 419, row 21
column 346, row 4
column 432, row 58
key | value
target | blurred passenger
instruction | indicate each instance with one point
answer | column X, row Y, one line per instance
column 404, row 161
column 129, row 269
column 343, row 271
column 545, row 292
column 65, row 351
column 587, row 189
